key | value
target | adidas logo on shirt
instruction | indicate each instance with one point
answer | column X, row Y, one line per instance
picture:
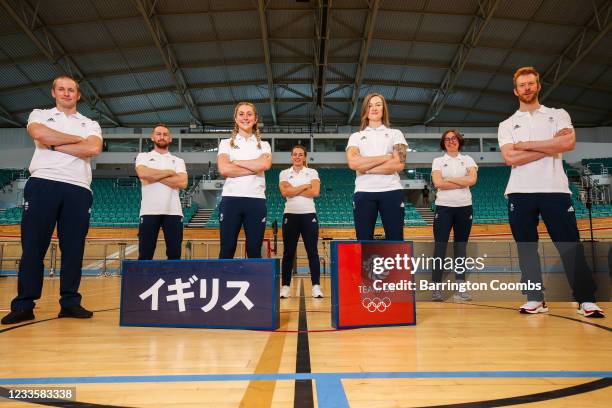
column 50, row 120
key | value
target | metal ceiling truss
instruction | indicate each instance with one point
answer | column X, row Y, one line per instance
column 31, row 24
column 507, row 55
column 263, row 22
column 322, row 17
column 596, row 29
column 308, row 100
column 363, row 56
column 342, row 83
column 7, row 117
column 486, row 8
column 147, row 11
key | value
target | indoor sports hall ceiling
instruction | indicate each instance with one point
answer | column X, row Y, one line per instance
column 438, row 62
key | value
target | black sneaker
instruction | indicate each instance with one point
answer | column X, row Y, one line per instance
column 77, row 312
column 18, row 316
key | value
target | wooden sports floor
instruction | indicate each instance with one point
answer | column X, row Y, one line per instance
column 481, row 353
column 476, row 354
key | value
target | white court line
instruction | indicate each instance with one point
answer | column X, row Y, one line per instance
column 112, row 257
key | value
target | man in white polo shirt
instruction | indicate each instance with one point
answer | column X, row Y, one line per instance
column 58, row 192
column 532, row 141
column 162, row 176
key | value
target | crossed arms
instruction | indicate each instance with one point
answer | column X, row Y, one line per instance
column 238, row 168
column 45, row 137
column 310, row 190
column 521, row 153
column 451, row 183
column 170, row 178
column 386, row 164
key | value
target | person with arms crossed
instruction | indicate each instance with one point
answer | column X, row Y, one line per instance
column 300, row 185
column 532, row 141
column 242, row 160
column 57, row 192
column 162, row 175
column 452, row 174
column 377, row 153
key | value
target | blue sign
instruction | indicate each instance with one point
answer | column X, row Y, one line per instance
column 224, row 294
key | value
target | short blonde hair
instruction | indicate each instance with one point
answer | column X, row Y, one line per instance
column 78, row 88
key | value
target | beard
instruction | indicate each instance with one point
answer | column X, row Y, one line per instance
column 529, row 99
column 161, row 144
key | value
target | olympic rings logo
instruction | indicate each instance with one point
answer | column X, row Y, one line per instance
column 376, row 304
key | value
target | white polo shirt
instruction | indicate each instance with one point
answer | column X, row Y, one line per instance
column 545, row 175
column 299, row 204
column 58, row 166
column 376, row 142
column 158, row 198
column 253, row 185
column 458, row 166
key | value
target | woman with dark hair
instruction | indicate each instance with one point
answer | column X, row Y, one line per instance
column 452, row 174
column 300, row 185
column 377, row 153
column 242, row 160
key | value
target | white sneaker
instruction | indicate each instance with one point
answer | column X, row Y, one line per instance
column 590, row 309
column 316, row 291
column 462, row 296
column 285, row 292
column 533, row 307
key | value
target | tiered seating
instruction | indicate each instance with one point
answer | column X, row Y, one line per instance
column 334, row 205
column 8, row 175
column 488, row 199
column 115, row 204
column 598, row 165
column 11, row 216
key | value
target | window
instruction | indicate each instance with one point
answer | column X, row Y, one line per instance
column 285, row 145
column 330, row 145
column 120, row 145
column 200, row 145
column 490, row 145
column 423, row 145
column 471, row 145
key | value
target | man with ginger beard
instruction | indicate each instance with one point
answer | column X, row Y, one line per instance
column 162, row 176
column 532, row 141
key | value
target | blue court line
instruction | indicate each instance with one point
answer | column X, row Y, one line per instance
column 302, row 376
column 330, row 392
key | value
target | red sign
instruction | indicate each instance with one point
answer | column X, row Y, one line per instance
column 372, row 284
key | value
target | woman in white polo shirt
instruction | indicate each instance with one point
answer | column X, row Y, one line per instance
column 452, row 174
column 300, row 185
column 377, row 153
column 242, row 160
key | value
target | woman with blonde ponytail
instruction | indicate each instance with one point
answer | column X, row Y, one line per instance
column 242, row 160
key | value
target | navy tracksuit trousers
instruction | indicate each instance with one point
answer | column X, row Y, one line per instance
column 48, row 203
column 460, row 220
column 234, row 212
column 390, row 205
column 558, row 214
column 308, row 226
column 148, row 231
